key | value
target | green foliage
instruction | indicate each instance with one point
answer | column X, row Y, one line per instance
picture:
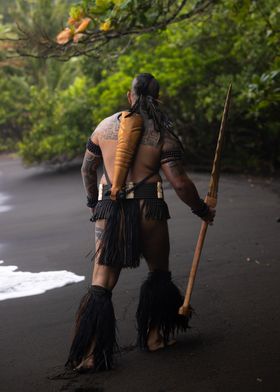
column 58, row 119
column 195, row 65
column 18, row 76
column 57, row 105
column 124, row 14
column 13, row 117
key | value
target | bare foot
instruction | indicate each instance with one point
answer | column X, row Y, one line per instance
column 155, row 345
column 86, row 364
column 156, row 342
column 88, row 360
column 171, row 342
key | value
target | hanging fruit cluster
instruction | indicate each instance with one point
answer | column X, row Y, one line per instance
column 91, row 17
column 89, row 14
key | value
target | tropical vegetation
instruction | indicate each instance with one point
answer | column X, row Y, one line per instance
column 49, row 107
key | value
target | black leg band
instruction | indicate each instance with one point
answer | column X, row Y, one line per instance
column 160, row 300
column 95, row 332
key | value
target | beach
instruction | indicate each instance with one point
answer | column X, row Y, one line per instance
column 233, row 343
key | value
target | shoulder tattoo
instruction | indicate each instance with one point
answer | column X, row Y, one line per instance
column 150, row 137
column 109, row 131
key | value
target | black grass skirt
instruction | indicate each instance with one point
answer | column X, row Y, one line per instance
column 120, row 242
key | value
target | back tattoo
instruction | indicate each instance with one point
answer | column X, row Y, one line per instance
column 110, row 128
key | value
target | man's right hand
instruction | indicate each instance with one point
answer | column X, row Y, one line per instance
column 209, row 218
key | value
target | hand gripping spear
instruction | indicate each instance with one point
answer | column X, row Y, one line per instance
column 211, row 200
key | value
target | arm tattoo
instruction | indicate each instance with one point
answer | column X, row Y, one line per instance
column 89, row 175
column 176, row 168
column 172, row 155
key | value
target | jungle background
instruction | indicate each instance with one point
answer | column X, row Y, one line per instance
column 48, row 108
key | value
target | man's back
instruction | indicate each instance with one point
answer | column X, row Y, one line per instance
column 147, row 159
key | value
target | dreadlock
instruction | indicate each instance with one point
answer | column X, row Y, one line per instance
column 146, row 90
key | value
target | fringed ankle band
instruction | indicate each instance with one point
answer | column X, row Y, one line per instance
column 158, row 307
column 95, row 332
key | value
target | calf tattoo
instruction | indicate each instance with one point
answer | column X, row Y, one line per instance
column 89, row 175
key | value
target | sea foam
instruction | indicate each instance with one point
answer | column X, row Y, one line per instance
column 16, row 284
column 3, row 199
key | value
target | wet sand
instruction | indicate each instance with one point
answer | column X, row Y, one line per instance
column 233, row 344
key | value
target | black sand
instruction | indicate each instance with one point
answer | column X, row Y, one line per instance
column 234, row 341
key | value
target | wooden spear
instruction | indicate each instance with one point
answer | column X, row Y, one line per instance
column 211, row 200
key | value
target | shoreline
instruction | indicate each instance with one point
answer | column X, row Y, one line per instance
column 195, row 168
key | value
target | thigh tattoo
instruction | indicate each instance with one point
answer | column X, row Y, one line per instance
column 98, row 233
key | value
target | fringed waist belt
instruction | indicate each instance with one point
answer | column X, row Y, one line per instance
column 151, row 190
column 120, row 244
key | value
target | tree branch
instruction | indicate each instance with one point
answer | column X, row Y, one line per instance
column 38, row 44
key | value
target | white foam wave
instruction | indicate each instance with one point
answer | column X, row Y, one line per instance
column 3, row 199
column 16, row 284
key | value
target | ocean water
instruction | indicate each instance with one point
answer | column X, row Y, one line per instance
column 16, row 284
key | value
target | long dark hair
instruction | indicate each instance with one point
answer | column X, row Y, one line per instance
column 146, row 88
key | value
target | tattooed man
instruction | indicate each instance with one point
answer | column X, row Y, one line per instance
column 131, row 222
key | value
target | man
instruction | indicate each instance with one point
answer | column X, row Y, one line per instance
column 131, row 221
